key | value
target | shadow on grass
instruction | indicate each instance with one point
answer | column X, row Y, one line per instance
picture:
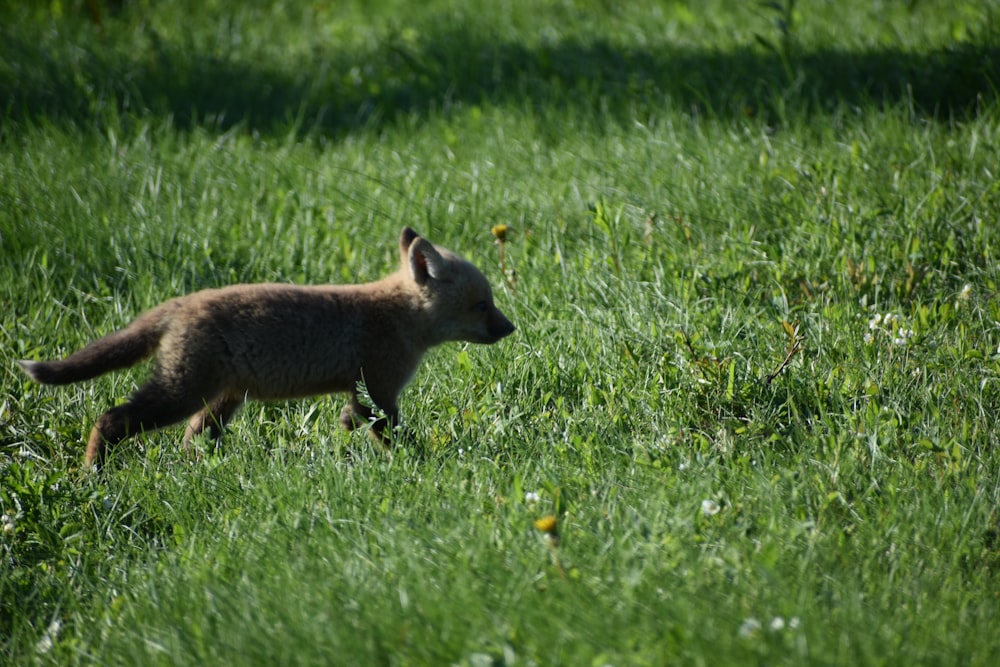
column 340, row 91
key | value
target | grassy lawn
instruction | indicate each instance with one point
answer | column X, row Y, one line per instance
column 756, row 376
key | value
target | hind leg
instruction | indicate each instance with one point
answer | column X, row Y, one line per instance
column 155, row 405
column 214, row 417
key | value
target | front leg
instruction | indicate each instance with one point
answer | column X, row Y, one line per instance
column 355, row 415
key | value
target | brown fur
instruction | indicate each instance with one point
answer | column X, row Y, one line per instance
column 218, row 347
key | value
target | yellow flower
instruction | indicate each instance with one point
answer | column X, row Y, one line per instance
column 547, row 524
column 499, row 231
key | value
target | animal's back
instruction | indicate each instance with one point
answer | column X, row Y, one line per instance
column 275, row 341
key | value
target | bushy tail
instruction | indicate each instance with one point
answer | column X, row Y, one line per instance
column 117, row 350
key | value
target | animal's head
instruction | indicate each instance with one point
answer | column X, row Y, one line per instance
column 456, row 295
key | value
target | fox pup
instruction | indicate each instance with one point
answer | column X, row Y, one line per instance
column 219, row 347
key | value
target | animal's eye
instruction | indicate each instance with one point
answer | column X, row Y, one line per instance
column 481, row 307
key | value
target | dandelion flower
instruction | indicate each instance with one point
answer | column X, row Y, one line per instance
column 710, row 508
column 500, row 232
column 547, row 524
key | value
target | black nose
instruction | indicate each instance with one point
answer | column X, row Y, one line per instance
column 504, row 328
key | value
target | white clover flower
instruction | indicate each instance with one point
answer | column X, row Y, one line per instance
column 794, row 622
column 531, row 497
column 44, row 644
column 749, row 627
column 710, row 508
column 48, row 639
column 966, row 292
column 869, row 339
column 875, row 322
column 777, row 624
column 903, row 336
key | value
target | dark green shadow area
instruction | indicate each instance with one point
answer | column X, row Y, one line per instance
column 340, row 91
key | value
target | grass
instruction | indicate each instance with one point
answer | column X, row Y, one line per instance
column 713, row 209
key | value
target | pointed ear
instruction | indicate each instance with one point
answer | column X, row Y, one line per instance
column 406, row 239
column 426, row 263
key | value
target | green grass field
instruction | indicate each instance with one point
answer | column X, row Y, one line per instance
column 756, row 375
